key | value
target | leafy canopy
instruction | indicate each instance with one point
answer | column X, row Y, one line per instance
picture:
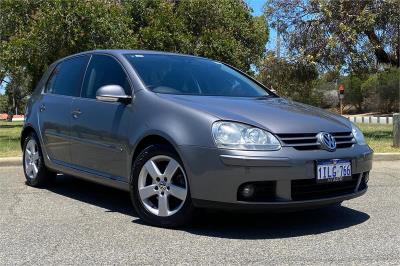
column 35, row 33
column 337, row 33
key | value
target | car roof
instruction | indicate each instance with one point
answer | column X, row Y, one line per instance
column 119, row 52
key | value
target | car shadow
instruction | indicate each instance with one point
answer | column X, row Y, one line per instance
column 221, row 224
column 235, row 225
column 111, row 199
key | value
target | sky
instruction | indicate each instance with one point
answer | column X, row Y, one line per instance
column 257, row 6
column 2, row 86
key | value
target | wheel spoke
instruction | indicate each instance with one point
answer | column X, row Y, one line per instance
column 147, row 192
column 152, row 169
column 163, row 205
column 171, row 169
column 29, row 169
column 177, row 192
column 31, row 147
column 28, row 151
column 35, row 156
column 35, row 169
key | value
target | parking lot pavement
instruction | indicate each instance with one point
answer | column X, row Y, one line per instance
column 80, row 223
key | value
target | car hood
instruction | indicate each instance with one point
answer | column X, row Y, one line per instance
column 277, row 115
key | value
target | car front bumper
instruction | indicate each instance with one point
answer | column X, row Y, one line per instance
column 215, row 175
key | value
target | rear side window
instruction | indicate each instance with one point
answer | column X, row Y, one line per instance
column 66, row 78
column 104, row 70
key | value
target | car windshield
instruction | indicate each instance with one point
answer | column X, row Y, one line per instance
column 174, row 74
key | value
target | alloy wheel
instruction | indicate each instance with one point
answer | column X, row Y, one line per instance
column 162, row 186
column 32, row 159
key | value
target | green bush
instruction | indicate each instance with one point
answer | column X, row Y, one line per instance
column 354, row 92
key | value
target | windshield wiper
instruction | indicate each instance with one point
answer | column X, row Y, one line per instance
column 266, row 97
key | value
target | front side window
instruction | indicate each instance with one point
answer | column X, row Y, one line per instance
column 104, row 70
column 174, row 74
column 66, row 78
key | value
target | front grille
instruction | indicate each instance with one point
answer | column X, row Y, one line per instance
column 308, row 141
column 309, row 189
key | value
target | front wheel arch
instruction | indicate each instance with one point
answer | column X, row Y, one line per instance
column 153, row 139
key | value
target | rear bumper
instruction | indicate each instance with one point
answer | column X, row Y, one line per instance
column 215, row 175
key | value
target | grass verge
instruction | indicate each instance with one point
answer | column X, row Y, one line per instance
column 379, row 137
column 10, row 138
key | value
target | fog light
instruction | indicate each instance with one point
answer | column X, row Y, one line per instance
column 247, row 191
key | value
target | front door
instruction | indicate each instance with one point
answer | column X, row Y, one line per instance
column 55, row 107
column 99, row 130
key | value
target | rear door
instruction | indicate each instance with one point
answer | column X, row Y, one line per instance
column 62, row 86
column 100, row 129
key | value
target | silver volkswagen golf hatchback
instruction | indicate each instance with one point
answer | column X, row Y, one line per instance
column 181, row 132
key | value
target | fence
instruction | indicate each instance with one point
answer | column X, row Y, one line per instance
column 371, row 119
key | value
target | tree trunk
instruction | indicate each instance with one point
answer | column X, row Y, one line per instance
column 380, row 53
column 10, row 114
column 398, row 44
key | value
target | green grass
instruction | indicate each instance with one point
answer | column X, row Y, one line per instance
column 379, row 137
column 10, row 138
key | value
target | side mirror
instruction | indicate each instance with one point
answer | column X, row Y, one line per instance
column 113, row 93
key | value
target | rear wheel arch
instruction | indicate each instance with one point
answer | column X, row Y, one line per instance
column 26, row 131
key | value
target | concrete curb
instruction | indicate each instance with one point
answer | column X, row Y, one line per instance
column 13, row 161
column 10, row 161
column 387, row 156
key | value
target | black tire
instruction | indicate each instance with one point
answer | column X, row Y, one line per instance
column 336, row 205
column 183, row 215
column 44, row 176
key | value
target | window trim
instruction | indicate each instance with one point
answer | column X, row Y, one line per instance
column 120, row 64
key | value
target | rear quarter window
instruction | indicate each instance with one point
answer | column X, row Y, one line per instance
column 66, row 78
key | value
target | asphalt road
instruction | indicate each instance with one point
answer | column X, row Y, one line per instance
column 79, row 223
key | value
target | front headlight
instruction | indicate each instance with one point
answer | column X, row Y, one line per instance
column 358, row 135
column 232, row 135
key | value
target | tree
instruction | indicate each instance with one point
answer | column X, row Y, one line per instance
column 36, row 33
column 223, row 30
column 16, row 93
column 157, row 25
column 339, row 33
column 354, row 92
column 3, row 104
column 384, row 89
column 291, row 79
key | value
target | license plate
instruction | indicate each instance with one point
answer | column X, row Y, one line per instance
column 333, row 170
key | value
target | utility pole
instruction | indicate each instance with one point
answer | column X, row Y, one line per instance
column 341, row 96
column 396, row 130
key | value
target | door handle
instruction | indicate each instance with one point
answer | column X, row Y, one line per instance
column 76, row 113
column 42, row 108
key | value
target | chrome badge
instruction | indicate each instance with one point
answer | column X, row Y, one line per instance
column 326, row 141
